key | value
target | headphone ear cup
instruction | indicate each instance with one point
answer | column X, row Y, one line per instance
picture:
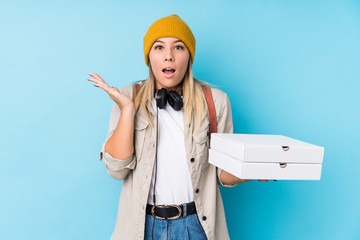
column 161, row 98
column 175, row 100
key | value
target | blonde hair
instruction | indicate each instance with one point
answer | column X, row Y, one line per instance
column 195, row 106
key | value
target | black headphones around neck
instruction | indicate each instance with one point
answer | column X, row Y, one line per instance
column 174, row 98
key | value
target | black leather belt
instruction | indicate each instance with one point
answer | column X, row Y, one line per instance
column 170, row 211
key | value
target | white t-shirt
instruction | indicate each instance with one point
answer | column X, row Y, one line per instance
column 173, row 181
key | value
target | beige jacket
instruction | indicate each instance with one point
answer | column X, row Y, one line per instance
column 136, row 171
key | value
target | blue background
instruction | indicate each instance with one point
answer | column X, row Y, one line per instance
column 289, row 67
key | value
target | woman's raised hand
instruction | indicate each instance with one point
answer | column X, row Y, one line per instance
column 124, row 102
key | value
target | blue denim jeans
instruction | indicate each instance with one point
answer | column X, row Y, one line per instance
column 183, row 228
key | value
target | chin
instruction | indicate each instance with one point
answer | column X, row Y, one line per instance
column 169, row 83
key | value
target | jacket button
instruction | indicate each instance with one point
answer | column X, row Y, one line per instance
column 192, row 160
column 204, row 218
column 197, row 190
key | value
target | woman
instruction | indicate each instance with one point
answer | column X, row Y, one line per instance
column 173, row 160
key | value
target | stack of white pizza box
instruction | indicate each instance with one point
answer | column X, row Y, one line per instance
column 256, row 156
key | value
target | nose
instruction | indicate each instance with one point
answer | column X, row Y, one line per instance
column 169, row 55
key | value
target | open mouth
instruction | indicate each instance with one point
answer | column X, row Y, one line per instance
column 168, row 70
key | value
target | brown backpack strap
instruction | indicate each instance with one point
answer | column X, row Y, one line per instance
column 211, row 109
column 136, row 89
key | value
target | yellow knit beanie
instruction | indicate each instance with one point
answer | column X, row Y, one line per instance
column 170, row 26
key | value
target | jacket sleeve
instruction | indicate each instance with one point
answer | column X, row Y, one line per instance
column 117, row 168
column 224, row 125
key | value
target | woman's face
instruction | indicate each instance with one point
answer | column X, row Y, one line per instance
column 171, row 53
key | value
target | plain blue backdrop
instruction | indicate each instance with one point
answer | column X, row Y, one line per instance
column 289, row 68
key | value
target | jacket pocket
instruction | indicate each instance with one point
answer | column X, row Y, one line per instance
column 139, row 137
column 201, row 141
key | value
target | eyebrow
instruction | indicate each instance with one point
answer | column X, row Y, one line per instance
column 174, row 42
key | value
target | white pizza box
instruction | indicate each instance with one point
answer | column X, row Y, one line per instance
column 256, row 156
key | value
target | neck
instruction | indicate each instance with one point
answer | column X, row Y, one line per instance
column 177, row 89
